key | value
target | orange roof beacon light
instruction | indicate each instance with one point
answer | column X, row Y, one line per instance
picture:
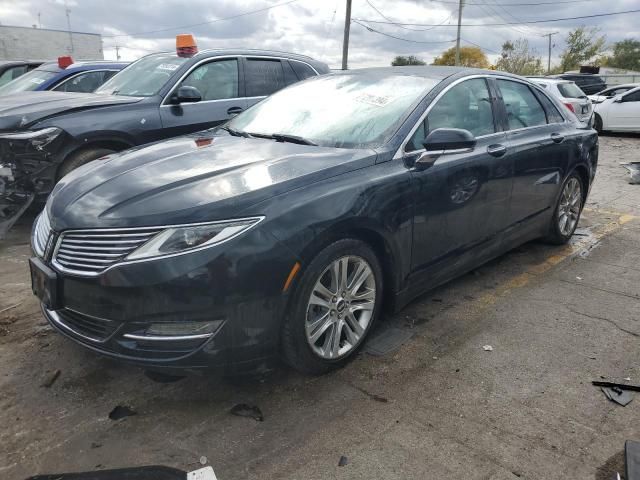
column 65, row 61
column 186, row 45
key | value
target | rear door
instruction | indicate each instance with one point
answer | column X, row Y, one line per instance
column 462, row 200
column 219, row 81
column 539, row 149
column 625, row 115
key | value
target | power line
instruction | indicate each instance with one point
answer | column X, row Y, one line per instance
column 244, row 14
column 399, row 25
column 479, row 46
column 517, row 4
column 397, row 38
column 506, row 23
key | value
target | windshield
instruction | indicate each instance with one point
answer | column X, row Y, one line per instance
column 27, row 82
column 570, row 90
column 344, row 111
column 143, row 78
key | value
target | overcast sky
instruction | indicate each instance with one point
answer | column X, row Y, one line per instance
column 315, row 27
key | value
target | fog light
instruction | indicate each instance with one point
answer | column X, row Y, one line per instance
column 177, row 331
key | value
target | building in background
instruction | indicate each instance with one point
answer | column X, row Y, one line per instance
column 19, row 43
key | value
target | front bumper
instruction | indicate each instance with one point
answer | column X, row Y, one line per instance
column 238, row 285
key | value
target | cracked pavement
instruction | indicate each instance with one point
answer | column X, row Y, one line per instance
column 438, row 407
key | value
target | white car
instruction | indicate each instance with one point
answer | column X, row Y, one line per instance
column 612, row 92
column 569, row 94
column 620, row 113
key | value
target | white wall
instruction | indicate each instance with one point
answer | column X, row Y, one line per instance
column 20, row 43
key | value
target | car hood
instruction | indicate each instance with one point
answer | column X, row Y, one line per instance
column 22, row 110
column 194, row 178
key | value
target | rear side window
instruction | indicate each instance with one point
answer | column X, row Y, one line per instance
column 289, row 75
column 570, row 90
column 263, row 77
column 553, row 115
column 302, row 70
column 523, row 108
column 466, row 105
column 12, row 73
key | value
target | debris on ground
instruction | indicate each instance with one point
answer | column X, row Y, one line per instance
column 617, row 392
column 343, row 461
column 250, row 411
column 121, row 411
column 372, row 396
column 634, row 172
column 48, row 383
column 203, row 460
column 205, row 473
column 95, row 445
column 487, row 348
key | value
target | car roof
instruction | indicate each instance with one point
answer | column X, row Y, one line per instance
column 426, row 71
column 629, row 85
column 549, row 81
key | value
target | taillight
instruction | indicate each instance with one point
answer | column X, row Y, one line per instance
column 570, row 107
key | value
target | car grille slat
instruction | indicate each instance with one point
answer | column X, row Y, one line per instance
column 92, row 328
column 41, row 233
column 90, row 252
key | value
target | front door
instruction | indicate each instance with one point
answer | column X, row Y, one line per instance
column 625, row 115
column 220, row 86
column 462, row 200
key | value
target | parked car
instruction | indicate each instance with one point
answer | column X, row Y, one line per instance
column 587, row 82
column 612, row 92
column 286, row 230
column 45, row 135
column 12, row 69
column 64, row 75
column 620, row 113
column 569, row 94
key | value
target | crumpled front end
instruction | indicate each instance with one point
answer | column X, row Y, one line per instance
column 27, row 170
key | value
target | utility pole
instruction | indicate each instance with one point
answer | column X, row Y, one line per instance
column 117, row 52
column 549, row 35
column 67, row 10
column 345, row 41
column 460, row 5
column 39, row 22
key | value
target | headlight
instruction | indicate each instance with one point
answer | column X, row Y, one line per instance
column 186, row 238
column 38, row 139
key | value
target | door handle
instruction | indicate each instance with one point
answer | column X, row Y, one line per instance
column 557, row 138
column 496, row 150
column 234, row 110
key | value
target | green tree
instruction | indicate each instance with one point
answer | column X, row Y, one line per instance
column 410, row 60
column 626, row 54
column 584, row 46
column 469, row 57
column 518, row 58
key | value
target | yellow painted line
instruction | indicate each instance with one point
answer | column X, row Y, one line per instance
column 567, row 251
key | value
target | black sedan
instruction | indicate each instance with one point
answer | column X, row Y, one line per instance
column 287, row 231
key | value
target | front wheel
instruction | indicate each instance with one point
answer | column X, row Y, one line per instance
column 334, row 307
column 568, row 209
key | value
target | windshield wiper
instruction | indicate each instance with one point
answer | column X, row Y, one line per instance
column 284, row 137
column 235, row 133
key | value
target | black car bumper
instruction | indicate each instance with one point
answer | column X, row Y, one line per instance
column 239, row 295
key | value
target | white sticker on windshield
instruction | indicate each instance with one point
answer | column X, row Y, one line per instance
column 167, row 66
column 37, row 81
column 375, row 100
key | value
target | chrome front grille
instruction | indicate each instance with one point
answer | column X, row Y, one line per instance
column 41, row 233
column 89, row 252
column 86, row 326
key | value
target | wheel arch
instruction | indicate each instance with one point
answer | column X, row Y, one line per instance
column 116, row 144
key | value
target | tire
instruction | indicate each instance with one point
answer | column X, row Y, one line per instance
column 80, row 158
column 597, row 123
column 571, row 209
column 309, row 330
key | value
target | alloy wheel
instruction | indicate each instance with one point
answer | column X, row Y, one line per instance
column 340, row 307
column 569, row 207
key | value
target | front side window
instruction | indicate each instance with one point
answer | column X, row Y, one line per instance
column 523, row 108
column 632, row 97
column 215, row 80
column 27, row 82
column 466, row 106
column 145, row 77
column 616, row 91
column 85, row 82
column 350, row 110
column 263, row 77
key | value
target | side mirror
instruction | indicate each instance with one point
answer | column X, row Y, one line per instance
column 186, row 94
column 617, row 99
column 449, row 140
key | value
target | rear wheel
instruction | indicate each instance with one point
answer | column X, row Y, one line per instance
column 334, row 307
column 568, row 209
column 80, row 158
